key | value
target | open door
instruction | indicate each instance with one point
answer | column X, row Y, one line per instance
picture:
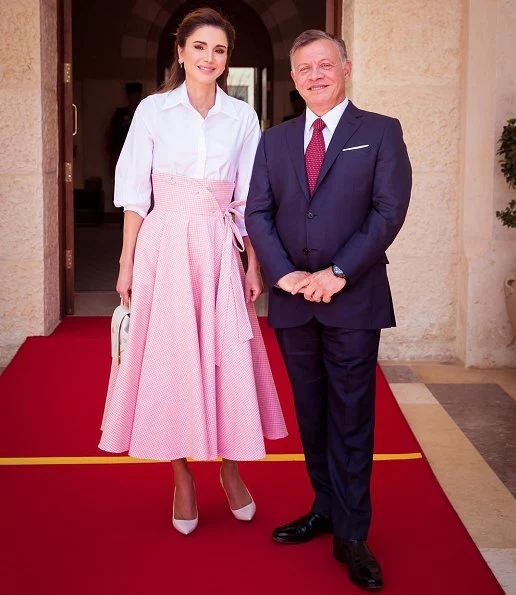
column 265, row 89
column 334, row 17
column 68, row 127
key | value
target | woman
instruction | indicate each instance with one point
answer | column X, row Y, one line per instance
column 194, row 379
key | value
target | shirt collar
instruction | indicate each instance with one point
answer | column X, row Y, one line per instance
column 179, row 96
column 331, row 118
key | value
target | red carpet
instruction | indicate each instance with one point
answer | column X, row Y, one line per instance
column 105, row 529
column 53, row 396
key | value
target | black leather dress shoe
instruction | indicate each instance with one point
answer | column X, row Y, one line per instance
column 303, row 529
column 364, row 569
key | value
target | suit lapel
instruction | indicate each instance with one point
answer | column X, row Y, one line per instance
column 296, row 142
column 347, row 126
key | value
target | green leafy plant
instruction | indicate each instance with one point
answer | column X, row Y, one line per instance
column 508, row 215
column 507, row 151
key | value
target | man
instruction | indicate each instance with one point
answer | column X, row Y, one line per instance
column 329, row 193
column 297, row 103
column 121, row 122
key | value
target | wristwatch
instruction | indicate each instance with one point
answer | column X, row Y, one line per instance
column 338, row 272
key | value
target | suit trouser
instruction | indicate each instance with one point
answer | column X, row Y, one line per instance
column 333, row 375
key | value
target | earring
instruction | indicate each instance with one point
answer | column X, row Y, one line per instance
column 181, row 64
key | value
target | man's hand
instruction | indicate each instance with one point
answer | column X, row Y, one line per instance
column 320, row 286
column 288, row 282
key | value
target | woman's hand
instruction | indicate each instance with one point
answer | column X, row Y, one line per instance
column 253, row 284
column 125, row 282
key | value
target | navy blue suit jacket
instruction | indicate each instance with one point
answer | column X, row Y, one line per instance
column 356, row 211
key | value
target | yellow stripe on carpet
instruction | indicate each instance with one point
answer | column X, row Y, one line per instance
column 404, row 456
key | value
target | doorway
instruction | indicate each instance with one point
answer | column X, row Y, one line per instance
column 252, row 61
column 113, row 44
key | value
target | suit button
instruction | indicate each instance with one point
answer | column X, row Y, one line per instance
column 306, row 251
column 310, row 215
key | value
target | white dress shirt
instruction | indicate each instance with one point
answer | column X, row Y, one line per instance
column 167, row 135
column 331, row 119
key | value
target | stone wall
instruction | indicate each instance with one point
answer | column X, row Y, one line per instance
column 29, row 268
column 50, row 164
column 432, row 65
column 487, row 249
column 407, row 64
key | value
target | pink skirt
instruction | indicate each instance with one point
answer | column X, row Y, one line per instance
column 194, row 380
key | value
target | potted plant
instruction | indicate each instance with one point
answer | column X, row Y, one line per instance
column 507, row 151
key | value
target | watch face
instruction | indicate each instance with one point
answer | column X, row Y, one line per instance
column 338, row 271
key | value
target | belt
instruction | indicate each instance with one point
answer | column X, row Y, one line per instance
column 230, row 294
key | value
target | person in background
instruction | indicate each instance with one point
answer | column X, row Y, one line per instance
column 121, row 122
column 298, row 105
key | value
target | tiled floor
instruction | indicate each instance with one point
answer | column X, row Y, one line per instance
column 95, row 303
column 487, row 416
column 465, row 421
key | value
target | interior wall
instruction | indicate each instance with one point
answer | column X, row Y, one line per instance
column 100, row 73
column 97, row 100
column 117, row 41
column 122, row 37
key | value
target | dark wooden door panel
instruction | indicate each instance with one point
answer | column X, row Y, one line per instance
column 68, row 121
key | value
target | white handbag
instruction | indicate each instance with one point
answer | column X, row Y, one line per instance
column 119, row 330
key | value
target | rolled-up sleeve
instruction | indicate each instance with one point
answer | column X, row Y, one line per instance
column 245, row 166
column 133, row 185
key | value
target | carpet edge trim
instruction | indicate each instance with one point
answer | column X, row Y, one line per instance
column 115, row 460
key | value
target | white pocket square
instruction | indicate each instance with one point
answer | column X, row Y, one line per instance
column 355, row 148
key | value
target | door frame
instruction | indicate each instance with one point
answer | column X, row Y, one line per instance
column 66, row 129
column 67, row 126
column 334, row 17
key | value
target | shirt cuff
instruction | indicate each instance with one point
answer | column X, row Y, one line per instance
column 138, row 210
column 240, row 222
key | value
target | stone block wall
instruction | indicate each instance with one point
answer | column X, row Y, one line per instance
column 488, row 250
column 407, row 64
column 29, row 269
column 443, row 68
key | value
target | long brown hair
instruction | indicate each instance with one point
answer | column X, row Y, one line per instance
column 198, row 18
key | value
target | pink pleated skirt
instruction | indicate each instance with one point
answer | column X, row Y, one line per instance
column 194, row 380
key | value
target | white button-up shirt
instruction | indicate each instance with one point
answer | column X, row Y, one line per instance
column 331, row 119
column 168, row 135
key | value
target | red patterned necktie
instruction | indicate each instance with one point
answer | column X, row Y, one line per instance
column 314, row 155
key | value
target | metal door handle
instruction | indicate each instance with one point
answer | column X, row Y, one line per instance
column 74, row 107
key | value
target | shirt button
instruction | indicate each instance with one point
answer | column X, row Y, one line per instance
column 306, row 251
column 310, row 215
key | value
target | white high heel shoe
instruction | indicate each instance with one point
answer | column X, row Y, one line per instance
column 183, row 526
column 246, row 513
